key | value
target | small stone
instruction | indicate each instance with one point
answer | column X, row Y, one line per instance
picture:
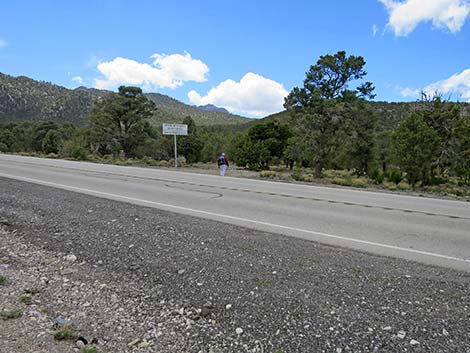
column 414, row 342
column 401, row 334
column 387, row 328
column 180, row 272
column 205, row 311
column 339, row 350
column 83, row 340
column 59, row 321
column 68, row 271
column 71, row 258
column 228, row 306
column 133, row 343
column 80, row 344
column 144, row 344
column 239, row 330
column 445, row 332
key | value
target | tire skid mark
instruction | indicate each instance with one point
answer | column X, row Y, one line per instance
column 127, row 176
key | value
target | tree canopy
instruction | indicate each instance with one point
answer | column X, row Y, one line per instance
column 119, row 122
column 323, row 105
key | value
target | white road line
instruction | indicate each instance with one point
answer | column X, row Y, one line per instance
column 181, row 208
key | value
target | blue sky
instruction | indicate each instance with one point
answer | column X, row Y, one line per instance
column 243, row 55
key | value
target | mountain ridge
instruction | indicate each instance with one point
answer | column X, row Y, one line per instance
column 212, row 107
column 23, row 98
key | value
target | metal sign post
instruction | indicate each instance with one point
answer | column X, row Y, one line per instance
column 175, row 129
column 176, row 153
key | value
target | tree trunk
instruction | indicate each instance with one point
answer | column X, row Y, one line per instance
column 318, row 169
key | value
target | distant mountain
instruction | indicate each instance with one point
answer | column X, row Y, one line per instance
column 22, row 98
column 172, row 111
column 213, row 108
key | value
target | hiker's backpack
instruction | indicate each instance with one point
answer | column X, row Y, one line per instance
column 221, row 161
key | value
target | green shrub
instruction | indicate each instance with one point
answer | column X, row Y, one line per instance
column 297, row 174
column 32, row 291
column 389, row 185
column 403, row 185
column 25, row 299
column 267, row 174
column 394, row 176
column 66, row 333
column 10, row 314
column 309, row 178
column 342, row 181
column 377, row 176
column 359, row 182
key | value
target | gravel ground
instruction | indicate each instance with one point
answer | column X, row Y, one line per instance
column 137, row 279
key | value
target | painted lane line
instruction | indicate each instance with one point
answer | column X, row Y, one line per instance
column 355, row 204
column 208, row 213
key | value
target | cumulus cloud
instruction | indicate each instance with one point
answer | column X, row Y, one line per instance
column 3, row 43
column 77, row 79
column 458, row 86
column 166, row 71
column 406, row 15
column 254, row 95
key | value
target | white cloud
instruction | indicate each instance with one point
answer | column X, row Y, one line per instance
column 166, row 71
column 3, row 43
column 375, row 29
column 77, row 79
column 457, row 85
column 254, row 95
column 406, row 15
column 409, row 92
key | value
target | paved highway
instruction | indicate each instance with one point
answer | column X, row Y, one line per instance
column 427, row 230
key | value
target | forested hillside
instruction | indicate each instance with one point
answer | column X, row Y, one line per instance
column 173, row 111
column 22, row 98
column 388, row 114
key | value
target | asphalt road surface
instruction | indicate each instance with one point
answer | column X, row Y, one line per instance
column 427, row 230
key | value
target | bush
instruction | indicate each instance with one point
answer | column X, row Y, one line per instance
column 389, row 185
column 359, row 182
column 394, row 176
column 297, row 174
column 3, row 148
column 66, row 333
column 309, row 178
column 403, row 185
column 10, row 314
column 342, row 181
column 377, row 176
column 268, row 174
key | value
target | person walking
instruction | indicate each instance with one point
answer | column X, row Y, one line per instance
column 222, row 163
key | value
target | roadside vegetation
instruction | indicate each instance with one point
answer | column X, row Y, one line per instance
column 330, row 134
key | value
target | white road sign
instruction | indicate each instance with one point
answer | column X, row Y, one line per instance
column 175, row 129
